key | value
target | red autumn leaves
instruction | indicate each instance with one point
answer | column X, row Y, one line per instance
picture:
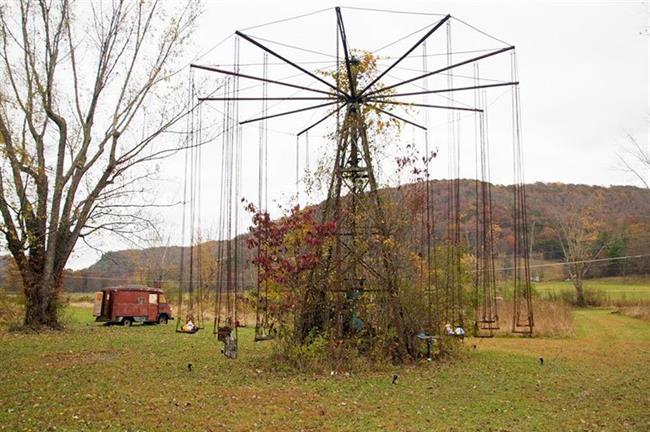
column 289, row 246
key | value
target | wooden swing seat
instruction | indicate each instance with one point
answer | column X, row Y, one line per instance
column 261, row 338
column 223, row 333
column 194, row 330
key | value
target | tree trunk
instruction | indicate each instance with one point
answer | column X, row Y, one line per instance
column 313, row 317
column 42, row 301
column 405, row 342
column 580, row 292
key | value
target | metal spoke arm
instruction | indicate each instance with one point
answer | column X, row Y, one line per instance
column 270, row 81
column 425, row 105
column 346, row 52
column 417, row 44
column 313, row 125
column 287, row 113
column 417, row 93
column 265, row 98
column 398, row 117
column 428, row 74
column 287, row 61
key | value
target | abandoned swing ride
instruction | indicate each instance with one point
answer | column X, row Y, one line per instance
column 355, row 287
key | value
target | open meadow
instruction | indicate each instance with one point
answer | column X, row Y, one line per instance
column 304, row 216
column 611, row 289
column 93, row 377
column 627, row 295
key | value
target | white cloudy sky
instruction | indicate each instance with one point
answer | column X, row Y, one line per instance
column 583, row 68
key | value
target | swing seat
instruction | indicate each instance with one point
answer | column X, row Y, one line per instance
column 223, row 333
column 194, row 330
column 426, row 336
column 457, row 336
column 261, row 338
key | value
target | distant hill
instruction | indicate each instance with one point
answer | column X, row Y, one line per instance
column 623, row 211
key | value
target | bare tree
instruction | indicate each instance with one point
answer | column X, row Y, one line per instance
column 72, row 95
column 578, row 232
column 635, row 160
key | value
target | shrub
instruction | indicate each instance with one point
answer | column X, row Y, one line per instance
column 640, row 310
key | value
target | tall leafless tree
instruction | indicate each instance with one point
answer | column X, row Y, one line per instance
column 578, row 232
column 635, row 160
column 85, row 90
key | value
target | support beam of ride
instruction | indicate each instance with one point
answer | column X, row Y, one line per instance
column 289, row 62
column 398, row 117
column 428, row 106
column 346, row 52
column 287, row 112
column 313, row 125
column 417, row 93
column 417, row 44
column 265, row 98
column 472, row 60
column 237, row 74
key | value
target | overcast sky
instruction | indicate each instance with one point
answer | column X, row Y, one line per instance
column 583, row 68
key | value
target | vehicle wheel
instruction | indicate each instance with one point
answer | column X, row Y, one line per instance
column 126, row 322
column 162, row 319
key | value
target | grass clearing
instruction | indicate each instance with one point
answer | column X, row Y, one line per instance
column 611, row 289
column 92, row 377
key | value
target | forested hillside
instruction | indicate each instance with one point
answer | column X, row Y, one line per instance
column 621, row 215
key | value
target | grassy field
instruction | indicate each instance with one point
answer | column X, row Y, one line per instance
column 612, row 289
column 92, row 377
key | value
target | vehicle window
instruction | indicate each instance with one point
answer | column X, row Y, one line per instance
column 161, row 298
column 140, row 300
column 153, row 298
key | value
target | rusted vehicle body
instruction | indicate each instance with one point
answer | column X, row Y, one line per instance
column 128, row 304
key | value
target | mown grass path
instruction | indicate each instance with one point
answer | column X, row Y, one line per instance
column 109, row 378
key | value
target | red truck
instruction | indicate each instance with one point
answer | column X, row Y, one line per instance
column 128, row 304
